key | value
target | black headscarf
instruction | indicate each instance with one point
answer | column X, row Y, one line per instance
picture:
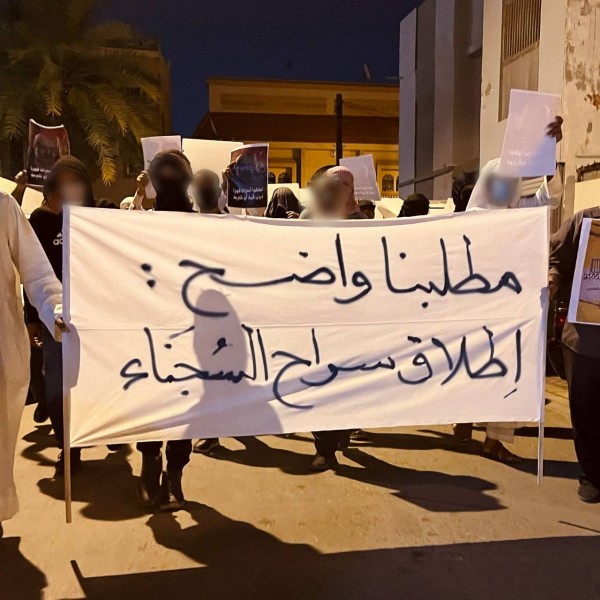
column 283, row 201
column 415, row 205
column 171, row 191
column 69, row 164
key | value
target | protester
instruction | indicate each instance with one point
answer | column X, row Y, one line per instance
column 21, row 251
column 207, row 192
column 333, row 199
column 415, row 205
column 491, row 192
column 284, row 205
column 171, row 175
column 367, row 208
column 68, row 182
column 581, row 348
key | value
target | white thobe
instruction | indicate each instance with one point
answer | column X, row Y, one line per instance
column 20, row 250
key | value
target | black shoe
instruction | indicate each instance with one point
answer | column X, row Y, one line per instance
column 207, row 446
column 171, row 492
column 116, row 447
column 588, row 492
column 149, row 483
column 322, row 463
column 40, row 414
column 75, row 462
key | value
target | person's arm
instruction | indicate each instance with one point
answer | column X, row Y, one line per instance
column 563, row 254
column 21, row 185
column 41, row 285
column 140, row 194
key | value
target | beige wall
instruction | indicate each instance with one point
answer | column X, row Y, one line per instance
column 302, row 98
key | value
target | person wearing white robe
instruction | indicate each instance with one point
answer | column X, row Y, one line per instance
column 493, row 192
column 20, row 254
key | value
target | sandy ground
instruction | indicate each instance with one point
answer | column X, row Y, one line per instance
column 407, row 515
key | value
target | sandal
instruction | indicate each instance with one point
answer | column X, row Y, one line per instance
column 502, row 455
column 463, row 432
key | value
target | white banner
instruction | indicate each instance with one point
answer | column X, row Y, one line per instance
column 186, row 325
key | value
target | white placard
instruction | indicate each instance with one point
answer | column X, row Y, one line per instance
column 584, row 306
column 527, row 150
column 230, row 326
column 151, row 146
column 365, row 176
column 213, row 155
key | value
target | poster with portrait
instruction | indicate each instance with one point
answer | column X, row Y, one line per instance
column 584, row 306
column 46, row 146
column 246, row 175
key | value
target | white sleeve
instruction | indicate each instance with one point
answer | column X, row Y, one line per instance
column 43, row 289
column 549, row 194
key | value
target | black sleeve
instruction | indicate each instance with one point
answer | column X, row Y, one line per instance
column 563, row 251
column 31, row 314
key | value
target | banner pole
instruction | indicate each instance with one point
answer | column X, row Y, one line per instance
column 67, row 456
column 540, row 465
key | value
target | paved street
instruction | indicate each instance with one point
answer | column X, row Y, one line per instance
column 408, row 515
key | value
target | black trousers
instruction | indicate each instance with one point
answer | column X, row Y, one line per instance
column 583, row 379
column 327, row 442
column 178, row 452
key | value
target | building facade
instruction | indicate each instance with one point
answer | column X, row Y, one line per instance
column 551, row 46
column 440, row 80
column 298, row 120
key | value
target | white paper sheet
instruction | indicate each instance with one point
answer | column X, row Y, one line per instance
column 365, row 176
column 527, row 150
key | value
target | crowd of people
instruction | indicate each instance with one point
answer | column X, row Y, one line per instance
column 32, row 364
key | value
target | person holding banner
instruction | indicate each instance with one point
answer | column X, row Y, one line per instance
column 21, row 252
column 171, row 175
column 581, row 349
column 68, row 182
column 493, row 191
column 334, row 199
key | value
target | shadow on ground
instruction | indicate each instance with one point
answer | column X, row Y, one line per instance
column 241, row 561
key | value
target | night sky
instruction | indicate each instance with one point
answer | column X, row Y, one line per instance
column 326, row 40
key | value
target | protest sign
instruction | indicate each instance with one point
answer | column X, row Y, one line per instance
column 584, row 306
column 527, row 150
column 213, row 155
column 247, row 177
column 365, row 176
column 46, row 146
column 272, row 326
column 151, row 146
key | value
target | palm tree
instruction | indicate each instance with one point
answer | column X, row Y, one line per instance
column 60, row 67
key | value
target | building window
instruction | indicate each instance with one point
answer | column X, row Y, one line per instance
column 387, row 183
column 519, row 62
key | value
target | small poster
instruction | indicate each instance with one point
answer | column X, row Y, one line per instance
column 151, row 146
column 528, row 150
column 585, row 293
column 46, row 146
column 365, row 176
column 247, row 180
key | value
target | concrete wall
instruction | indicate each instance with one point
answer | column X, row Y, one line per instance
column 581, row 96
column 440, row 75
column 408, row 84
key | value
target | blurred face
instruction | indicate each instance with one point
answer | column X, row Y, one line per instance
column 69, row 189
column 500, row 190
column 207, row 189
column 167, row 179
column 330, row 199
